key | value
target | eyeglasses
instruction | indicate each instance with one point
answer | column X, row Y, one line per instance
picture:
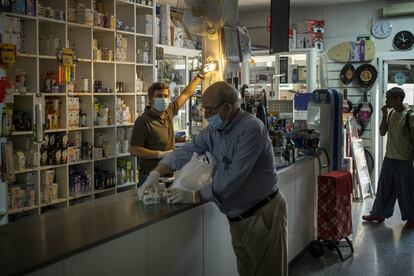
column 210, row 110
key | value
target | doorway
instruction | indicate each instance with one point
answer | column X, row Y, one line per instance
column 396, row 72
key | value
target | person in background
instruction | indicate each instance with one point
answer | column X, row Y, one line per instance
column 244, row 182
column 153, row 133
column 397, row 172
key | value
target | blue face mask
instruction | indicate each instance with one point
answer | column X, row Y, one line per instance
column 161, row 104
column 215, row 121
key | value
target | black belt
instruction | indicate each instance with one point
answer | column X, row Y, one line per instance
column 253, row 210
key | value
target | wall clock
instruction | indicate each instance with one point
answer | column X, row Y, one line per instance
column 381, row 29
column 403, row 41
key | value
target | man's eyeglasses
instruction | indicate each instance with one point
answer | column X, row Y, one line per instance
column 210, row 109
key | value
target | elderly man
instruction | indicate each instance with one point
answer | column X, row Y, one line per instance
column 244, row 182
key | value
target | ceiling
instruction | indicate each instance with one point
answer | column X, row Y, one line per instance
column 265, row 4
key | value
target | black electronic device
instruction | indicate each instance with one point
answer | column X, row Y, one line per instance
column 279, row 26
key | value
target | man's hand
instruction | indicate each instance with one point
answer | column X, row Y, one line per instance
column 151, row 181
column 181, row 196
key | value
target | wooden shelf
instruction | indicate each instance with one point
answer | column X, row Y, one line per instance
column 20, row 15
column 18, row 133
column 49, row 167
column 125, row 32
column 81, row 162
column 77, row 25
column 47, row 57
column 80, row 195
column 26, row 55
column 54, row 202
column 78, row 128
column 144, row 6
column 50, row 20
column 125, row 62
column 126, row 185
column 21, row 210
column 55, row 130
column 105, row 158
column 110, row 72
column 104, row 190
column 144, row 35
column 102, row 29
column 108, row 126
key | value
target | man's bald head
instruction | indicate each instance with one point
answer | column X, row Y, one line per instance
column 220, row 93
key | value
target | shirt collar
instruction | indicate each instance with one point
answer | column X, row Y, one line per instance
column 154, row 114
column 227, row 129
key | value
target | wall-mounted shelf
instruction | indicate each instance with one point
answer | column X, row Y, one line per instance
column 35, row 61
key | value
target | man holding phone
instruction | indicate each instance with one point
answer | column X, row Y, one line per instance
column 397, row 172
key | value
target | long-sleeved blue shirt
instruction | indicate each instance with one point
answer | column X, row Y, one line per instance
column 245, row 171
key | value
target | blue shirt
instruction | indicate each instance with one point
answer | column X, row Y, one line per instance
column 245, row 172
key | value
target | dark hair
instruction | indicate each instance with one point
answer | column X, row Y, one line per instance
column 396, row 92
column 156, row 86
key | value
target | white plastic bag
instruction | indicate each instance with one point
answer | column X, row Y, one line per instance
column 196, row 174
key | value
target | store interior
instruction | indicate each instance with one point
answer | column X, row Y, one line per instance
column 75, row 76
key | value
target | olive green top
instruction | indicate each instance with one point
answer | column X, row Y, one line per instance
column 154, row 132
column 398, row 138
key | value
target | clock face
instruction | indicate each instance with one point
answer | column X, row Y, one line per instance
column 381, row 29
column 403, row 40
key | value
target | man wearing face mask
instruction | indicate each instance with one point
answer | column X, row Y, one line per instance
column 153, row 132
column 244, row 182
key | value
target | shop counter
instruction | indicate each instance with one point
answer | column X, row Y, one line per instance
column 118, row 235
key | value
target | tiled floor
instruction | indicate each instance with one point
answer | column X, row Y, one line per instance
column 380, row 249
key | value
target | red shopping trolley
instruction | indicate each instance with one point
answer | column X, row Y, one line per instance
column 334, row 213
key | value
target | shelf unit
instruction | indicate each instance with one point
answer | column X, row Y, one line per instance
column 35, row 65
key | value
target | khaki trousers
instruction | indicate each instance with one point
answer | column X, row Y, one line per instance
column 260, row 241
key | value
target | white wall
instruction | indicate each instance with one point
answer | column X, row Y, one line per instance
column 343, row 22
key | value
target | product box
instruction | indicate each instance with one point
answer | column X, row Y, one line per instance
column 19, row 6
column 309, row 40
column 292, row 38
column 47, row 177
column 177, row 37
column 165, row 25
column 310, row 26
column 31, row 7
column 85, row 16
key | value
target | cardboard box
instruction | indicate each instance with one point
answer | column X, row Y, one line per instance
column 292, row 38
column 19, row 6
column 31, row 7
column 309, row 40
column 310, row 26
column 165, row 25
column 177, row 37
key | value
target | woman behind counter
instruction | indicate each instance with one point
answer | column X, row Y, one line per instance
column 153, row 133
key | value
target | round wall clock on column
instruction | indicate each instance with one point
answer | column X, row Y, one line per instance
column 381, row 29
column 403, row 41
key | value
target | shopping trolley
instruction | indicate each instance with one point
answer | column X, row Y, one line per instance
column 334, row 220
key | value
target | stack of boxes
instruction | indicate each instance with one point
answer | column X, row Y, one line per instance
column 121, row 48
column 123, row 114
column 101, row 17
column 23, row 196
column 53, row 112
column 144, row 24
column 122, row 143
column 74, row 110
column 49, row 191
column 12, row 32
column 77, row 12
column 310, row 34
column 78, row 150
column 101, row 54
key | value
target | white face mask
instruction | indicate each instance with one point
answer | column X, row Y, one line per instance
column 161, row 104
